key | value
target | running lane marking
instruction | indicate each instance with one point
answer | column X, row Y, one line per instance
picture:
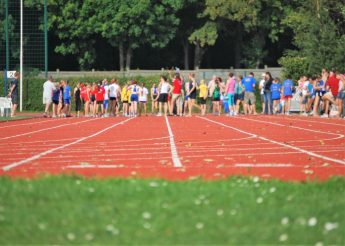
column 309, row 121
column 262, row 165
column 46, row 129
column 296, row 127
column 279, row 143
column 31, row 123
column 35, row 157
column 174, row 155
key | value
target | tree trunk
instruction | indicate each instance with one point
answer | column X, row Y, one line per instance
column 185, row 44
column 238, row 45
column 199, row 53
column 128, row 56
column 122, row 57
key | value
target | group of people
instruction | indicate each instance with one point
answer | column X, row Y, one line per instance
column 183, row 95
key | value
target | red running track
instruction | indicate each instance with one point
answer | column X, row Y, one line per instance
column 287, row 148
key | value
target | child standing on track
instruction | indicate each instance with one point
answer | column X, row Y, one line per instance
column 99, row 99
column 230, row 90
column 143, row 92
column 134, row 98
column 56, row 97
column 106, row 98
column 124, row 99
column 67, row 98
column 164, row 89
column 275, row 92
column 77, row 98
column 93, row 92
column 61, row 100
column 203, row 96
column 287, row 93
column 154, row 99
column 216, row 98
column 239, row 94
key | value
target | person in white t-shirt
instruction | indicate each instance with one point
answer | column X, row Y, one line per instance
column 106, row 98
column 143, row 92
column 114, row 92
column 262, row 89
column 48, row 89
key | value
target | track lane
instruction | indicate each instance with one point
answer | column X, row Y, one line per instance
column 109, row 153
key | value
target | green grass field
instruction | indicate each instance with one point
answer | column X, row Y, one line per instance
column 73, row 210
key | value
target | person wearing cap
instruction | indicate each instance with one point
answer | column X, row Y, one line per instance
column 262, row 89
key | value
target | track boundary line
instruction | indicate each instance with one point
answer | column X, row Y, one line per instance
column 37, row 156
column 46, row 129
column 279, row 143
column 173, row 149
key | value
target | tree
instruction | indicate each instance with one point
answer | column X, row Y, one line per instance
column 129, row 24
column 202, row 38
column 319, row 35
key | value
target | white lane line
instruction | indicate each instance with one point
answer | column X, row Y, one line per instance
column 32, row 123
column 35, row 157
column 46, row 129
column 174, row 155
column 296, row 127
column 309, row 121
column 263, row 165
column 279, row 143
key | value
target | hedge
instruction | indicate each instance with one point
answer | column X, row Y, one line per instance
column 33, row 89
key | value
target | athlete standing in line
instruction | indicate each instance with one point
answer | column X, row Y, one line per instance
column 154, row 99
column 77, row 99
column 164, row 89
column 176, row 94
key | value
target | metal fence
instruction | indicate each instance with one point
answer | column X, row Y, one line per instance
column 200, row 73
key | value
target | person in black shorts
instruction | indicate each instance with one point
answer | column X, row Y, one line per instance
column 192, row 93
column 77, row 99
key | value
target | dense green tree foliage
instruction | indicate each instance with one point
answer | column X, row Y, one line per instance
column 126, row 34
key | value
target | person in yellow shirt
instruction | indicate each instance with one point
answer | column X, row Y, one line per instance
column 203, row 96
column 124, row 99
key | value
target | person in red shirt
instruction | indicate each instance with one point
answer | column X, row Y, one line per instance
column 176, row 94
column 93, row 102
column 332, row 87
column 99, row 99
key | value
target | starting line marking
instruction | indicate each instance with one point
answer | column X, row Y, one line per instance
column 174, row 155
column 279, row 143
column 35, row 157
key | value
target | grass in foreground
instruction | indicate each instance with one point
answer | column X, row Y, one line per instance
column 73, row 210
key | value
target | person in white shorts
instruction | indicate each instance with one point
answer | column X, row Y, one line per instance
column 114, row 92
column 143, row 92
column 48, row 89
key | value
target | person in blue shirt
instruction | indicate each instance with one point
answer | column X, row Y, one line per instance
column 249, row 96
column 320, row 91
column 67, row 98
column 287, row 93
column 275, row 89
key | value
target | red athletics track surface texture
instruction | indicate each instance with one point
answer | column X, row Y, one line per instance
column 288, row 148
